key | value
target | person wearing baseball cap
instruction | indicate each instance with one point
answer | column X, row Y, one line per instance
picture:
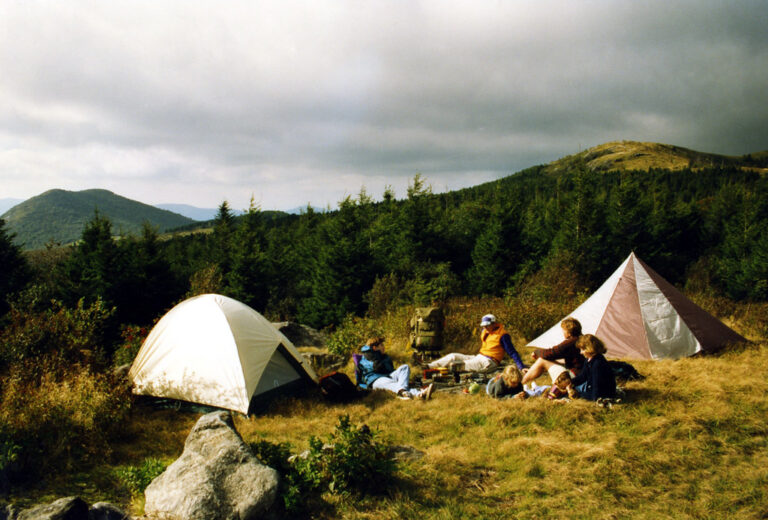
column 495, row 342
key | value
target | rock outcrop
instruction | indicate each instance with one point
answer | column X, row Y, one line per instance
column 216, row 477
column 67, row 508
column 301, row 335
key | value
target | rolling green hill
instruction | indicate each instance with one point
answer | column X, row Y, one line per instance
column 634, row 155
column 59, row 216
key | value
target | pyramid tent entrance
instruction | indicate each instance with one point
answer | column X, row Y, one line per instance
column 217, row 351
column 639, row 315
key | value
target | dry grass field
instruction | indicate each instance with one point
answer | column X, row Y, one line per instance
column 689, row 441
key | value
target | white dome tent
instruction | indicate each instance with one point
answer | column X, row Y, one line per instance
column 639, row 315
column 217, row 351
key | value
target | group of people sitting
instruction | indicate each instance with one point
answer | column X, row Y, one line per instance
column 583, row 372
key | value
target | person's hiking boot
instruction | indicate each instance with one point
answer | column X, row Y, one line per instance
column 404, row 395
column 607, row 402
column 426, row 394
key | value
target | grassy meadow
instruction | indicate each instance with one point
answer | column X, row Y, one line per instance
column 689, row 441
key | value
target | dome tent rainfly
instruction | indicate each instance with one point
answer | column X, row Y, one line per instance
column 639, row 315
column 217, row 351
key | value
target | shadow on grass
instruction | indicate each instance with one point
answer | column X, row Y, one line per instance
column 643, row 395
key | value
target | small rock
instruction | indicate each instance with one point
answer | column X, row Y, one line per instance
column 68, row 508
column 403, row 453
column 106, row 511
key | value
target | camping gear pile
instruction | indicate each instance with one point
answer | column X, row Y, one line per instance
column 426, row 337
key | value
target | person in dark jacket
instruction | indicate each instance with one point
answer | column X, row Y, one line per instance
column 596, row 379
column 376, row 371
column 572, row 358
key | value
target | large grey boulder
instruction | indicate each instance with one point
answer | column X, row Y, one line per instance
column 301, row 335
column 216, row 478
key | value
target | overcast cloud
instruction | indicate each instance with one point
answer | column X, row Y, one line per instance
column 298, row 102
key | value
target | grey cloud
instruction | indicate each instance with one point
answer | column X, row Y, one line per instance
column 333, row 93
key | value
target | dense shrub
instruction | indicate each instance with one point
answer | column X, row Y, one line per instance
column 56, row 408
column 294, row 489
column 387, row 292
column 351, row 460
column 432, row 283
column 52, row 423
column 540, row 300
column 207, row 280
column 133, row 336
column 137, row 478
column 68, row 335
column 351, row 335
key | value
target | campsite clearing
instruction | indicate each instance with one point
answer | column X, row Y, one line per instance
column 690, row 441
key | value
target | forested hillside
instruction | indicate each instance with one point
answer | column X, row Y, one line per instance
column 705, row 228
column 60, row 215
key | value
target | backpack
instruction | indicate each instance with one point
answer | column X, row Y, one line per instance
column 427, row 329
column 624, row 371
column 336, row 387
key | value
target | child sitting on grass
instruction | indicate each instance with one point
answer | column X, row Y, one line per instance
column 509, row 384
column 561, row 383
column 596, row 379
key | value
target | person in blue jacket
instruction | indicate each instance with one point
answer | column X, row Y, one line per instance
column 376, row 371
column 596, row 378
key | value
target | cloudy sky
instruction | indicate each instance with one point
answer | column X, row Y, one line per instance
column 296, row 102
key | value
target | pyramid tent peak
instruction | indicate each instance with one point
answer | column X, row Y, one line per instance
column 640, row 315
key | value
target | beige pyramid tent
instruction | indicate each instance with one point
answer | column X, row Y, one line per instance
column 216, row 351
column 640, row 315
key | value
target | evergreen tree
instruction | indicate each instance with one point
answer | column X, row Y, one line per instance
column 581, row 231
column 99, row 268
column 391, row 249
column 743, row 260
column 463, row 224
column 155, row 287
column 247, row 281
column 341, row 269
column 291, row 249
column 489, row 257
column 223, row 232
column 416, row 224
column 627, row 217
column 96, row 267
column 15, row 271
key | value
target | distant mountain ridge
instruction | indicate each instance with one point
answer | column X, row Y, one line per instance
column 59, row 216
column 205, row 214
column 193, row 212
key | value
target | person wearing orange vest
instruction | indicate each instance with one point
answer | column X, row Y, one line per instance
column 495, row 343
